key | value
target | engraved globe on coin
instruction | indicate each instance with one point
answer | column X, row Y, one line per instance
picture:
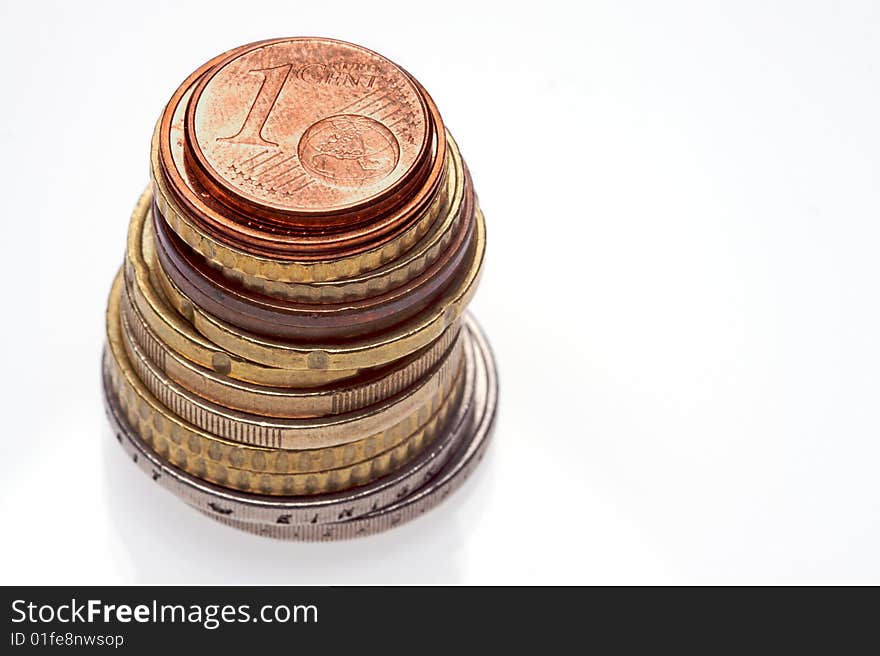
column 349, row 150
column 288, row 344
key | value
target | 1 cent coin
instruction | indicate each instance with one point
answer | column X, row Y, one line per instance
column 311, row 129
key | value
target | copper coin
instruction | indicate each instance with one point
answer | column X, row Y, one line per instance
column 307, row 127
column 264, row 238
column 266, row 315
column 375, row 213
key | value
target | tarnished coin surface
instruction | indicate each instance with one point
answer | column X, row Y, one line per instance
column 382, row 504
column 288, row 345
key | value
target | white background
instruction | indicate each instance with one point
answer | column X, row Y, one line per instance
column 681, row 288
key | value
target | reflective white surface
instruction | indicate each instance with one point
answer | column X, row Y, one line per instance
column 681, row 290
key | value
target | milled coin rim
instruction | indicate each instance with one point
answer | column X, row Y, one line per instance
column 282, row 402
column 354, row 354
column 388, row 500
column 283, row 319
column 167, row 323
column 275, row 469
column 179, row 204
column 392, row 274
column 345, row 429
column 454, row 474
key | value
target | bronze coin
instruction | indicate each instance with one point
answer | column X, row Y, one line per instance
column 307, row 127
column 266, row 315
column 347, row 227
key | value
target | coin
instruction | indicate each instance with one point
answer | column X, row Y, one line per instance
column 421, row 484
column 309, row 128
column 397, row 415
column 288, row 348
column 215, row 230
column 194, row 218
column 349, row 355
column 353, row 394
column 392, row 274
column 262, row 314
column 171, row 327
column 324, row 464
column 382, row 421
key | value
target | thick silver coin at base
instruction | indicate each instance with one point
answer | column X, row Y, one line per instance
column 378, row 506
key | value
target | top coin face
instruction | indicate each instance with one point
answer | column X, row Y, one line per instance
column 307, row 126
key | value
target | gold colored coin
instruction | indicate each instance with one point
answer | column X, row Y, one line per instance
column 171, row 328
column 279, row 401
column 299, row 433
column 260, row 469
column 394, row 274
column 286, row 340
column 360, row 354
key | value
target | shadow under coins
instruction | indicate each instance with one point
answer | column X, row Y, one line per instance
column 169, row 542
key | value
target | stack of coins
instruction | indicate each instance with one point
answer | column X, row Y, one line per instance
column 288, row 345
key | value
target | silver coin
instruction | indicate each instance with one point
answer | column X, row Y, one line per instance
column 283, row 433
column 456, row 470
column 382, row 504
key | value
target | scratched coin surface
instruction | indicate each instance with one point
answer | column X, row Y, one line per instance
column 288, row 348
column 311, row 126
